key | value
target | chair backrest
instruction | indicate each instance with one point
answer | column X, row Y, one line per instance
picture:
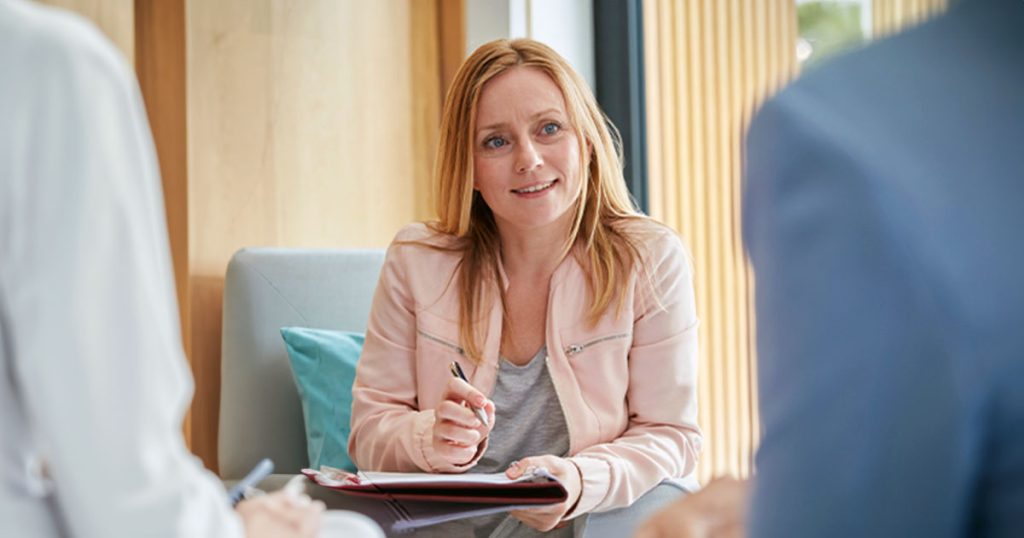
column 266, row 289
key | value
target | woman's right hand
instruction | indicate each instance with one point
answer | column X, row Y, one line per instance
column 457, row 431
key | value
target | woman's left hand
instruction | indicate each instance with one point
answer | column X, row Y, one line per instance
column 548, row 517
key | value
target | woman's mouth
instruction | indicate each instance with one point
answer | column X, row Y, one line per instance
column 534, row 189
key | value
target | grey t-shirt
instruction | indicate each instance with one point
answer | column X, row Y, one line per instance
column 528, row 416
column 528, row 422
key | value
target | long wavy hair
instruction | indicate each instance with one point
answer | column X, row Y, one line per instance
column 596, row 236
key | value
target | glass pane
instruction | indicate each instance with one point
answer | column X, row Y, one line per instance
column 828, row 27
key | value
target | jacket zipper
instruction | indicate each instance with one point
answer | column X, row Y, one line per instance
column 443, row 342
column 578, row 348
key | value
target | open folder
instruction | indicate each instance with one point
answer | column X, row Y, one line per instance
column 536, row 487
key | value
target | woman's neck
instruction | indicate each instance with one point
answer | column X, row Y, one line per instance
column 534, row 252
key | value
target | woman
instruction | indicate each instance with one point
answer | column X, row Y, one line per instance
column 572, row 311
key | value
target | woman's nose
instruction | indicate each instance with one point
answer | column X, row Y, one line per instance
column 527, row 159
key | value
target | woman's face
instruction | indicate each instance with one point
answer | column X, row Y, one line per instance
column 526, row 160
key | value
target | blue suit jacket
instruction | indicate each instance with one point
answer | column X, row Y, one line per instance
column 884, row 209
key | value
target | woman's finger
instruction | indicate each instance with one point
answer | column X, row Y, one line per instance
column 459, row 391
column 456, row 434
column 454, row 453
column 520, row 467
column 449, row 411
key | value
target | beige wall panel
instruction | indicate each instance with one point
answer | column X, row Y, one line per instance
column 310, row 124
column 116, row 18
column 300, row 125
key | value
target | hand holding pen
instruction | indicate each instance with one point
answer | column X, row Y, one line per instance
column 288, row 512
column 477, row 409
column 462, row 420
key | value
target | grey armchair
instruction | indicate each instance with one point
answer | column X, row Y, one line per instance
column 266, row 289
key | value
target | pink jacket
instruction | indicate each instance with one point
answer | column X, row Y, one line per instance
column 628, row 386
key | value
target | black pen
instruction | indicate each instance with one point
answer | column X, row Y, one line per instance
column 457, row 372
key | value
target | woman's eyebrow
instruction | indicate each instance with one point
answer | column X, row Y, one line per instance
column 545, row 112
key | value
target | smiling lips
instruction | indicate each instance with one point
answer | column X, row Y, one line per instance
column 534, row 189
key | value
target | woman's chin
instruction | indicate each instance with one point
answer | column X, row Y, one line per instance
column 545, row 222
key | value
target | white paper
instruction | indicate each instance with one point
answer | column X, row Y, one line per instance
column 372, row 477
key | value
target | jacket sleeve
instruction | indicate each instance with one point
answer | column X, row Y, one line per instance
column 88, row 296
column 662, row 439
column 389, row 431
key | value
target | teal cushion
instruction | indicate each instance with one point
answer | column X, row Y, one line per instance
column 324, row 368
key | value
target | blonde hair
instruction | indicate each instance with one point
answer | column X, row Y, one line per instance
column 603, row 201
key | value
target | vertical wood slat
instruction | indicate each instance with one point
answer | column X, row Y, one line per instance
column 427, row 65
column 891, row 16
column 734, row 43
column 451, row 30
column 710, row 62
column 160, row 65
column 652, row 94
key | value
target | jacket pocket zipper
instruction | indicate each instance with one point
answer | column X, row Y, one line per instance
column 578, row 348
column 454, row 347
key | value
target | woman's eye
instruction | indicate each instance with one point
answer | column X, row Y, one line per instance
column 551, row 128
column 495, row 143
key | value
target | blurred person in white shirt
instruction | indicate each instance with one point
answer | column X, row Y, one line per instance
column 93, row 381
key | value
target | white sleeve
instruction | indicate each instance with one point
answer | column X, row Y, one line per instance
column 95, row 338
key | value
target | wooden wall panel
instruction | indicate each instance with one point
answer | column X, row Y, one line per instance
column 310, row 124
column 451, row 24
column 302, row 124
column 709, row 63
column 427, row 60
column 160, row 65
column 299, row 119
